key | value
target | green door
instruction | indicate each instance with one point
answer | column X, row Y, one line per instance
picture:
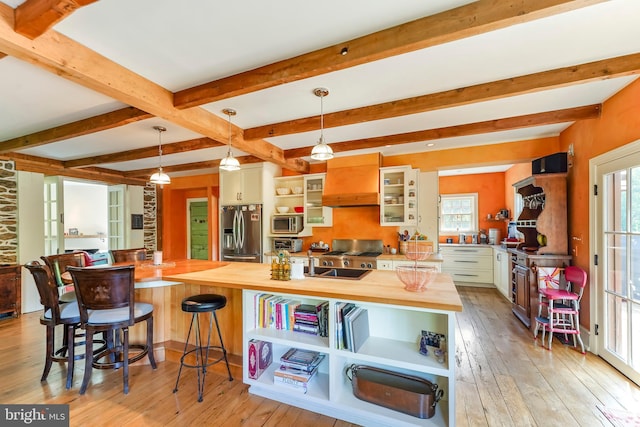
column 198, row 230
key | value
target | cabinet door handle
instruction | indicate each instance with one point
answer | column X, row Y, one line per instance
column 465, row 250
column 467, row 262
column 467, row 275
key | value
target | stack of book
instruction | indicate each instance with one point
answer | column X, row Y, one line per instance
column 297, row 368
column 352, row 326
column 276, row 312
column 312, row 319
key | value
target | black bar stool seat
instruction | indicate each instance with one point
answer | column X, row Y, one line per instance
column 196, row 304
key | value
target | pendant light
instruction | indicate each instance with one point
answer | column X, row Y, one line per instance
column 321, row 151
column 160, row 177
column 229, row 163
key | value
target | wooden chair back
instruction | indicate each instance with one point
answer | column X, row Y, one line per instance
column 105, row 288
column 47, row 288
column 128, row 255
column 58, row 264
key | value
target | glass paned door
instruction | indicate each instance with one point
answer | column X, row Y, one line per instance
column 53, row 215
column 116, row 218
column 619, row 270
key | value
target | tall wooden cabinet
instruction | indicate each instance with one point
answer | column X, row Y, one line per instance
column 543, row 223
column 10, row 289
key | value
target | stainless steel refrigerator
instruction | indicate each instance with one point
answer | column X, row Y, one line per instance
column 241, row 233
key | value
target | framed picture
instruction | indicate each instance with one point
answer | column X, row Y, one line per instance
column 73, row 232
column 136, row 222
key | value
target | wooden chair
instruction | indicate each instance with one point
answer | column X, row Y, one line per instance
column 106, row 303
column 128, row 255
column 58, row 264
column 55, row 314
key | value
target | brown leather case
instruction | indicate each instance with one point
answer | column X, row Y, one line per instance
column 404, row 393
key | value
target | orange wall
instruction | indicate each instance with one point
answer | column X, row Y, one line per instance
column 174, row 213
column 491, row 197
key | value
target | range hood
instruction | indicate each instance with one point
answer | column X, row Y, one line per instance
column 352, row 181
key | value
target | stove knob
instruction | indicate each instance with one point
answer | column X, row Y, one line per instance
column 330, row 263
column 325, row 262
column 346, row 262
column 370, row 265
column 363, row 265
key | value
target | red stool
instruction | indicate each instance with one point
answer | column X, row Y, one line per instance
column 563, row 307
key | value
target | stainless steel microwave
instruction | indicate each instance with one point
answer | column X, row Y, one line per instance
column 286, row 224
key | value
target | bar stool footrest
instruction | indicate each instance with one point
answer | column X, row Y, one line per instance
column 205, row 350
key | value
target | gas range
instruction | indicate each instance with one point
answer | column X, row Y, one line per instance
column 352, row 254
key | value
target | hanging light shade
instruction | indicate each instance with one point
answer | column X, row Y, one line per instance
column 160, row 177
column 229, row 163
column 321, row 151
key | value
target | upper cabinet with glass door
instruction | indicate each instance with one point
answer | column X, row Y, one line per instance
column 399, row 196
column 316, row 215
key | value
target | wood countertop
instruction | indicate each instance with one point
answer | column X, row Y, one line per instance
column 377, row 286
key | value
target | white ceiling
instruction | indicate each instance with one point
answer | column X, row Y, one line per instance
column 182, row 44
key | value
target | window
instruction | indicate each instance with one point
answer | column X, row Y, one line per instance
column 459, row 212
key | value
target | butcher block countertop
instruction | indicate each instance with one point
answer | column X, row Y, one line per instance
column 378, row 286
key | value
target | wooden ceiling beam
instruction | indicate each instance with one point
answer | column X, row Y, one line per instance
column 145, row 153
column 65, row 57
column 531, row 83
column 50, row 167
column 465, row 21
column 190, row 166
column 78, row 128
column 34, row 17
column 498, row 125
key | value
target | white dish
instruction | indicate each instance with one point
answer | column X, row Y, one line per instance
column 282, row 209
column 283, row 191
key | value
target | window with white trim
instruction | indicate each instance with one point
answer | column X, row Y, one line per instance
column 458, row 213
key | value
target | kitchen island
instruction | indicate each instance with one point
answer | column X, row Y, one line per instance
column 396, row 319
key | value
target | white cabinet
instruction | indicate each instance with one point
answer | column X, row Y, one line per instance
column 399, row 196
column 468, row 263
column 246, row 185
column 437, row 265
column 316, row 215
column 392, row 344
column 385, row 264
column 501, row 274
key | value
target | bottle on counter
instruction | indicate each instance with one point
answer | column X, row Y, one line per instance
column 286, row 269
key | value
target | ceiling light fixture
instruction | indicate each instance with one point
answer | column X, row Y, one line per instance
column 229, row 163
column 321, row 151
column 160, row 177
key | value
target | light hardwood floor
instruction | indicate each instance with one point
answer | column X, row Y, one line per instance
column 504, row 378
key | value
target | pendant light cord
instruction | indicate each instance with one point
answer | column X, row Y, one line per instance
column 322, row 117
column 229, row 144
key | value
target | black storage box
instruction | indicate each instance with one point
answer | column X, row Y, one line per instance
column 404, row 393
column 553, row 163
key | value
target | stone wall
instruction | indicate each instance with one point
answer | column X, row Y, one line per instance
column 149, row 218
column 8, row 213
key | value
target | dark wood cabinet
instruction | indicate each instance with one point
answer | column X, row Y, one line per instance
column 10, row 289
column 520, row 284
column 524, row 281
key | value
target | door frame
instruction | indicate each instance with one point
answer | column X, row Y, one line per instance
column 595, row 225
column 210, row 238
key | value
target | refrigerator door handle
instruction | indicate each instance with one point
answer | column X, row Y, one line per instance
column 235, row 230
column 241, row 229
